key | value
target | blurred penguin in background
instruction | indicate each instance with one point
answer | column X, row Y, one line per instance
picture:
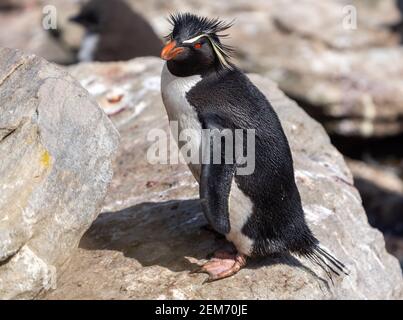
column 114, row 32
column 9, row 5
column 15, row 5
column 398, row 27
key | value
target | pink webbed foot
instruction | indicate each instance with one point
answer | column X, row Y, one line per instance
column 222, row 265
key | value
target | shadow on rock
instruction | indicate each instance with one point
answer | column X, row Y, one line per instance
column 384, row 207
column 155, row 233
column 172, row 234
column 384, row 210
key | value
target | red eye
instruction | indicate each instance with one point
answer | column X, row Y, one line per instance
column 197, row 46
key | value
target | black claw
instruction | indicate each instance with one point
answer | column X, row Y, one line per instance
column 195, row 271
column 208, row 280
column 198, row 270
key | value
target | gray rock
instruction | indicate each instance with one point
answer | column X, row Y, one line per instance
column 151, row 233
column 56, row 148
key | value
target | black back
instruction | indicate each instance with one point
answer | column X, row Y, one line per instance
column 278, row 213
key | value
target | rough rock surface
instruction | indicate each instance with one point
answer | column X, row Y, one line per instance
column 151, row 233
column 56, row 151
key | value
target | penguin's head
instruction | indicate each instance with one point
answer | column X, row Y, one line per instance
column 90, row 16
column 194, row 46
column 97, row 16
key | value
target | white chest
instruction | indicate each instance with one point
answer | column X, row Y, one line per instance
column 174, row 90
column 88, row 47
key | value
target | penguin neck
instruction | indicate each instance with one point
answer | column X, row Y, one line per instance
column 177, row 86
column 188, row 68
column 174, row 90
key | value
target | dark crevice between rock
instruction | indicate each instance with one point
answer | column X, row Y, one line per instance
column 387, row 150
column 37, row 114
column 9, row 133
column 386, row 218
column 7, row 260
column 384, row 210
column 13, row 69
column 312, row 110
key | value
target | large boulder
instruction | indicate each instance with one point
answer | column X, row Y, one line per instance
column 151, row 232
column 56, row 151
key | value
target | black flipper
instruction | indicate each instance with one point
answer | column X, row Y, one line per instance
column 215, row 180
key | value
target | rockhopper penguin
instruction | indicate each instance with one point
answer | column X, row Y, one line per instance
column 114, row 32
column 260, row 213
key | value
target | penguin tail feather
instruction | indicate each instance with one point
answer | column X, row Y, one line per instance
column 326, row 262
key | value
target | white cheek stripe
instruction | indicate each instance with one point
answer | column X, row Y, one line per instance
column 217, row 50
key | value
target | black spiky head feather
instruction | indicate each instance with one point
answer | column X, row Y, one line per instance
column 190, row 26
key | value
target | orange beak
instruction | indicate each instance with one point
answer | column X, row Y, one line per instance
column 170, row 51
